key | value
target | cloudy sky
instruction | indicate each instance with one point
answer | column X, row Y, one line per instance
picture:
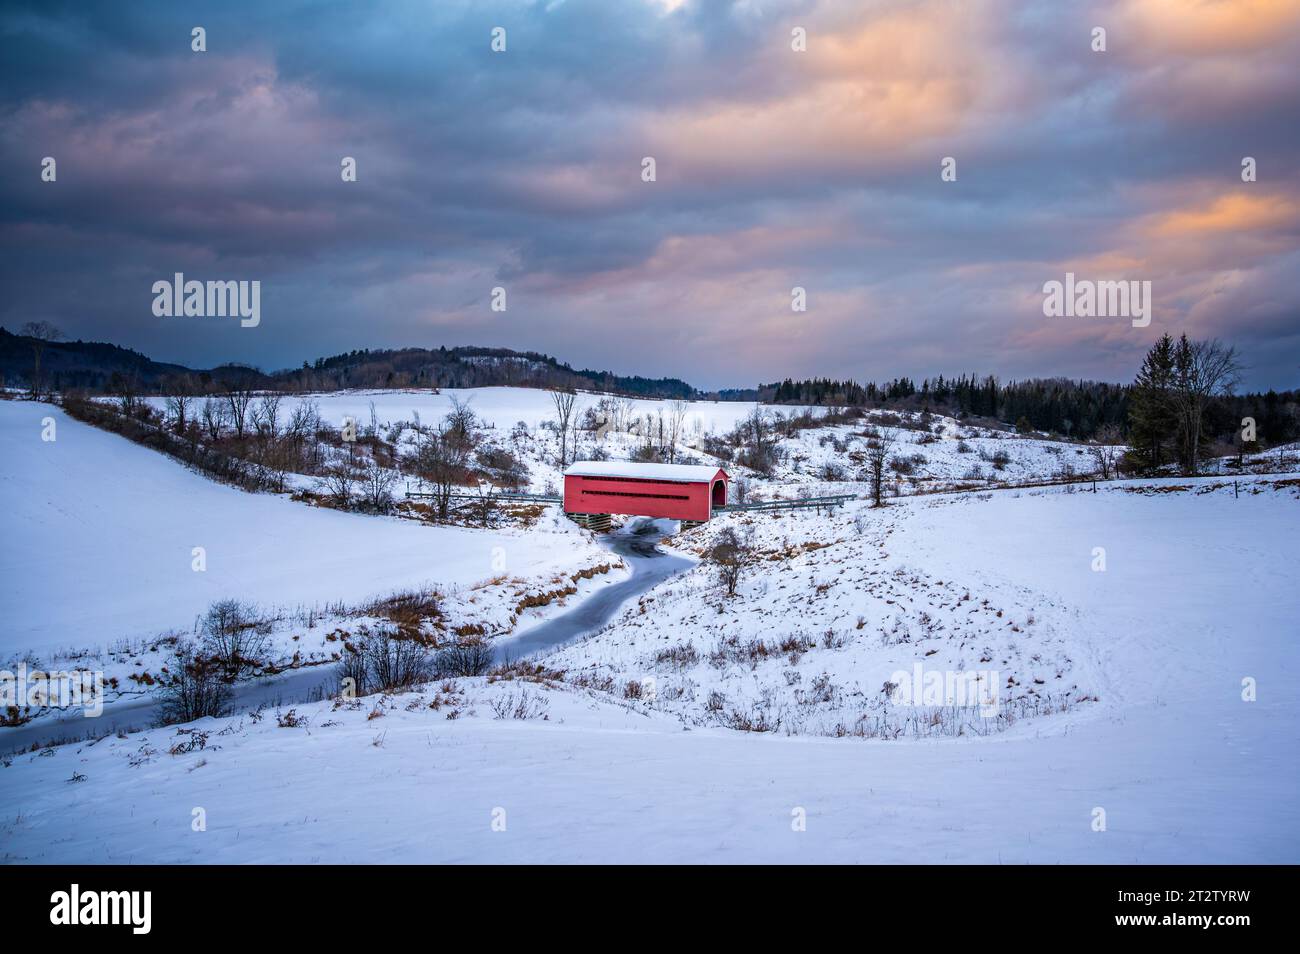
column 775, row 168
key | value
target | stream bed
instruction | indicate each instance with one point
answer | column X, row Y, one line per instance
column 637, row 543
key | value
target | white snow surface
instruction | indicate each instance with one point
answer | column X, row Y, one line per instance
column 503, row 407
column 1197, row 596
column 99, row 535
column 673, row 473
column 1196, row 606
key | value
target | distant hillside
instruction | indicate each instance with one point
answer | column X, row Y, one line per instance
column 469, row 367
column 93, row 364
column 77, row 364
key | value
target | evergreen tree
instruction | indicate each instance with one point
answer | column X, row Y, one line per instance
column 1153, row 421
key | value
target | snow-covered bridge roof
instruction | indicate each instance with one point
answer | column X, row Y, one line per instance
column 680, row 473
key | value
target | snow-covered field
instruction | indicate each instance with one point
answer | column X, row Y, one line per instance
column 834, row 607
column 1170, row 762
column 944, row 455
column 1080, row 603
column 502, row 408
column 943, row 452
column 97, row 558
column 1122, row 731
column 934, row 452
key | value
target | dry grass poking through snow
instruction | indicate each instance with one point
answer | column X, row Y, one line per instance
column 823, row 618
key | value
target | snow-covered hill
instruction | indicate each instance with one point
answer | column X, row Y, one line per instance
column 1170, row 766
column 98, row 556
column 935, row 450
column 927, row 452
column 1142, row 638
column 1068, row 596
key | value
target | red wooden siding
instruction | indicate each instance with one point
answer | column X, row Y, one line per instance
column 674, row 499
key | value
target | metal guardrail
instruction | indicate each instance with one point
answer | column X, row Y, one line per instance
column 794, row 504
column 501, row 497
column 799, row 503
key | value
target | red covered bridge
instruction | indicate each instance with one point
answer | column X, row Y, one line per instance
column 597, row 488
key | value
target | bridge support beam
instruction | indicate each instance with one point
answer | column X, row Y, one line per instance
column 599, row 522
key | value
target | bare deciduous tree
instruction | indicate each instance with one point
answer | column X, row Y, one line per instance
column 739, row 490
column 441, row 462
column 338, row 480
column 265, row 415
column 179, row 392
column 213, row 416
column 729, row 554
column 238, row 399
column 878, row 449
column 377, row 486
column 563, row 401
column 676, row 421
column 1202, row 370
column 1107, row 450
column 623, row 408
column 124, row 388
column 461, row 421
column 196, row 689
column 758, row 438
column 234, row 636
column 42, row 333
column 484, row 502
column 303, row 423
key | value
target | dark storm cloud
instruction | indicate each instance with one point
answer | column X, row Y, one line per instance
column 775, row 169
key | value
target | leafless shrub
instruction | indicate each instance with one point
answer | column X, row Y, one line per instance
column 462, row 659
column 600, row 682
column 196, row 690
column 352, row 670
column 757, row 437
column 290, row 720
column 520, row 705
column 757, row 719
column 376, row 483
column 503, row 468
column 339, row 481
column 234, row 636
column 1107, row 450
column 907, row 465
column 442, row 462
column 999, row 458
column 380, row 660
column 729, row 555
column 682, row 656
column 524, row 671
column 189, row 740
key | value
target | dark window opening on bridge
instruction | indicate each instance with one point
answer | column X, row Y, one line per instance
column 619, row 493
